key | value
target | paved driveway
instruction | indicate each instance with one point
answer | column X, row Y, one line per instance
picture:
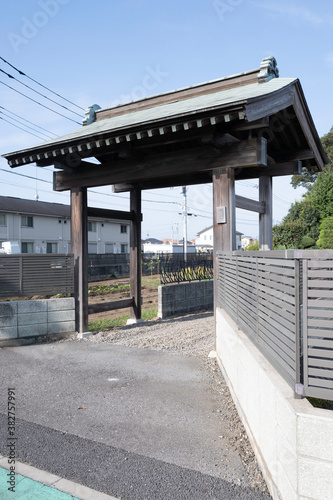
column 133, row 423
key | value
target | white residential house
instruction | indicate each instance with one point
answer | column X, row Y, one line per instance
column 204, row 240
column 42, row 227
column 247, row 240
column 154, row 246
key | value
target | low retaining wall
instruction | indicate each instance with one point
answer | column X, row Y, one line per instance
column 32, row 318
column 185, row 297
column 293, row 441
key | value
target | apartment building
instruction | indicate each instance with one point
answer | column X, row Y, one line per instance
column 42, row 227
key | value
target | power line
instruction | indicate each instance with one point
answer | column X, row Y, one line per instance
column 40, row 104
column 39, row 93
column 18, row 121
column 28, row 121
column 27, row 131
column 40, row 84
column 24, row 175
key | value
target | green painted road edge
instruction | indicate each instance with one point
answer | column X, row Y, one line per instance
column 37, row 480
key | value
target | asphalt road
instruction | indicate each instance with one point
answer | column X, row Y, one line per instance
column 134, row 423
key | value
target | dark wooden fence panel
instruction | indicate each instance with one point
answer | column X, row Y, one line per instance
column 36, row 274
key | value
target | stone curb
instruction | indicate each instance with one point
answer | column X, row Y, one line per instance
column 53, row 481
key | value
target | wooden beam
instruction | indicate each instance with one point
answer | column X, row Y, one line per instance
column 251, row 205
column 110, row 306
column 242, row 154
column 275, row 170
column 79, row 247
column 135, row 255
column 265, row 219
column 102, row 213
column 184, row 180
column 298, row 154
column 263, row 123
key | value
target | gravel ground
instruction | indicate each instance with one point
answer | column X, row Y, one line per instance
column 191, row 335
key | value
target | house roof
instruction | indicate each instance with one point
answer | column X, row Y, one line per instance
column 152, row 241
column 210, row 227
column 10, row 204
column 239, row 100
column 14, row 205
column 160, row 112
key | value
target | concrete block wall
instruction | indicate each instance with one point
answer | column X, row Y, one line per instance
column 31, row 318
column 185, row 297
column 292, row 440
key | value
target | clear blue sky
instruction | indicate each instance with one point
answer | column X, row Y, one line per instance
column 103, row 51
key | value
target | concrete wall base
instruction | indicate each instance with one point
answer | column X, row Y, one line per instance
column 185, row 297
column 292, row 440
column 21, row 321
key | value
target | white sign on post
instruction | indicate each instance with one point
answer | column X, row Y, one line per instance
column 221, row 215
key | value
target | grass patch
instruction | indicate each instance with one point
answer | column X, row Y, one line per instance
column 152, row 282
column 108, row 323
column 103, row 289
column 321, row 403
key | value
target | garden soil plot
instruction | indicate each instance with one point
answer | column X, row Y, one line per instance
column 112, row 290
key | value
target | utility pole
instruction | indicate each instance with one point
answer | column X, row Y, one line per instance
column 184, row 207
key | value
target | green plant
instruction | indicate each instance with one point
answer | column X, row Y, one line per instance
column 102, row 289
column 326, row 233
column 252, row 247
column 108, row 323
column 321, row 403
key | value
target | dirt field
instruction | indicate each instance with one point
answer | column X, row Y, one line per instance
column 97, row 294
column 149, row 295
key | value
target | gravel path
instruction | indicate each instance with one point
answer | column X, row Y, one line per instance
column 192, row 335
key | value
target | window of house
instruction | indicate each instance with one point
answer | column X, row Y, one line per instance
column 51, row 247
column 123, row 248
column 92, row 248
column 92, row 227
column 108, row 247
column 27, row 221
column 2, row 220
column 123, row 228
column 27, row 247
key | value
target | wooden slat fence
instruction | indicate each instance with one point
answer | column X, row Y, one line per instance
column 318, row 328
column 260, row 294
column 35, row 274
column 284, row 302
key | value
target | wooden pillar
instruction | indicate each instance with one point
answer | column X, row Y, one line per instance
column 224, row 211
column 224, row 219
column 135, row 255
column 79, row 247
column 266, row 219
